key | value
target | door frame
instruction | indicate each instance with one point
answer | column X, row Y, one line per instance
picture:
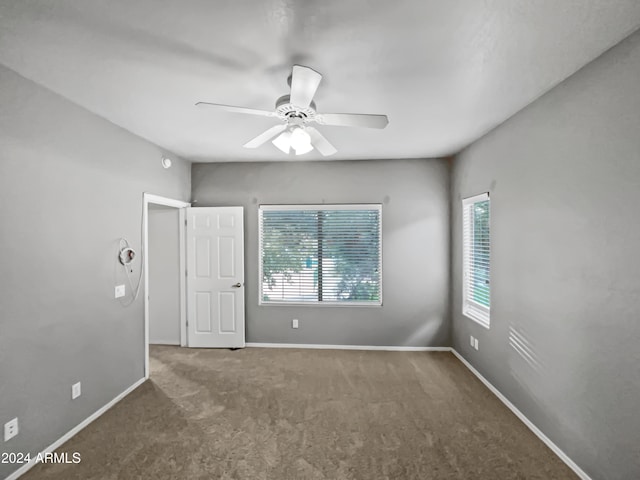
column 179, row 204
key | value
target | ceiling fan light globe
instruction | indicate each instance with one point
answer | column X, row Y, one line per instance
column 283, row 142
column 300, row 139
column 302, row 149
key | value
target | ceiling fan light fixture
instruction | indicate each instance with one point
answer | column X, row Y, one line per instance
column 304, row 148
column 301, row 141
column 283, row 141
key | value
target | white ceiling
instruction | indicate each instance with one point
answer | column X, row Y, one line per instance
column 445, row 72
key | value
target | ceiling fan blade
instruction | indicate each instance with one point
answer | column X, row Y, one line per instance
column 352, row 120
column 304, row 83
column 320, row 143
column 265, row 136
column 231, row 108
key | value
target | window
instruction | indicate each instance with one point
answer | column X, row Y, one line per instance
column 321, row 254
column 476, row 258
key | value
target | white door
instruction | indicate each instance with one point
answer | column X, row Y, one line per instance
column 215, row 277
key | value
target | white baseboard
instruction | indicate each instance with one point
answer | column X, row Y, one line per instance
column 28, row 466
column 349, row 347
column 563, row 456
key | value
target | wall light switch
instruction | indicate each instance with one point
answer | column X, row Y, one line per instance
column 471, row 341
column 475, row 341
column 120, row 291
column 10, row 429
column 294, row 323
column 76, row 390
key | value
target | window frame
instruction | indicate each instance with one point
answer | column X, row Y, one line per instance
column 471, row 309
column 323, row 206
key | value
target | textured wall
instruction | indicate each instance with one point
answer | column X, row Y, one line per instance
column 71, row 185
column 564, row 178
column 415, row 223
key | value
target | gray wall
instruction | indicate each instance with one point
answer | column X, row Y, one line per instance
column 164, row 275
column 71, row 185
column 564, row 178
column 415, row 220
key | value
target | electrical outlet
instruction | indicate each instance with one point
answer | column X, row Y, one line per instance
column 475, row 341
column 10, row 429
column 294, row 323
column 472, row 341
column 120, row 291
column 76, row 390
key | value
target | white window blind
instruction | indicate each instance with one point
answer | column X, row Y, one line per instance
column 322, row 254
column 476, row 259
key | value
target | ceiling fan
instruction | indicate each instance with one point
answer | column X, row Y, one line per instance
column 297, row 111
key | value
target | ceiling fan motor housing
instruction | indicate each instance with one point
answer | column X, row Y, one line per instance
column 287, row 111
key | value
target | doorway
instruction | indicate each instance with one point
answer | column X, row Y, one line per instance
column 159, row 213
column 210, row 275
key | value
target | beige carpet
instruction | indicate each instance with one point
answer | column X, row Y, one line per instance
column 307, row 414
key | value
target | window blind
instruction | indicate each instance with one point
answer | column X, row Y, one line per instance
column 330, row 254
column 476, row 259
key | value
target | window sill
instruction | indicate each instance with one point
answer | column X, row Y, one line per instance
column 480, row 321
column 319, row 304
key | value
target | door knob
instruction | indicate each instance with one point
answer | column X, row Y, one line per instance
column 237, row 285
